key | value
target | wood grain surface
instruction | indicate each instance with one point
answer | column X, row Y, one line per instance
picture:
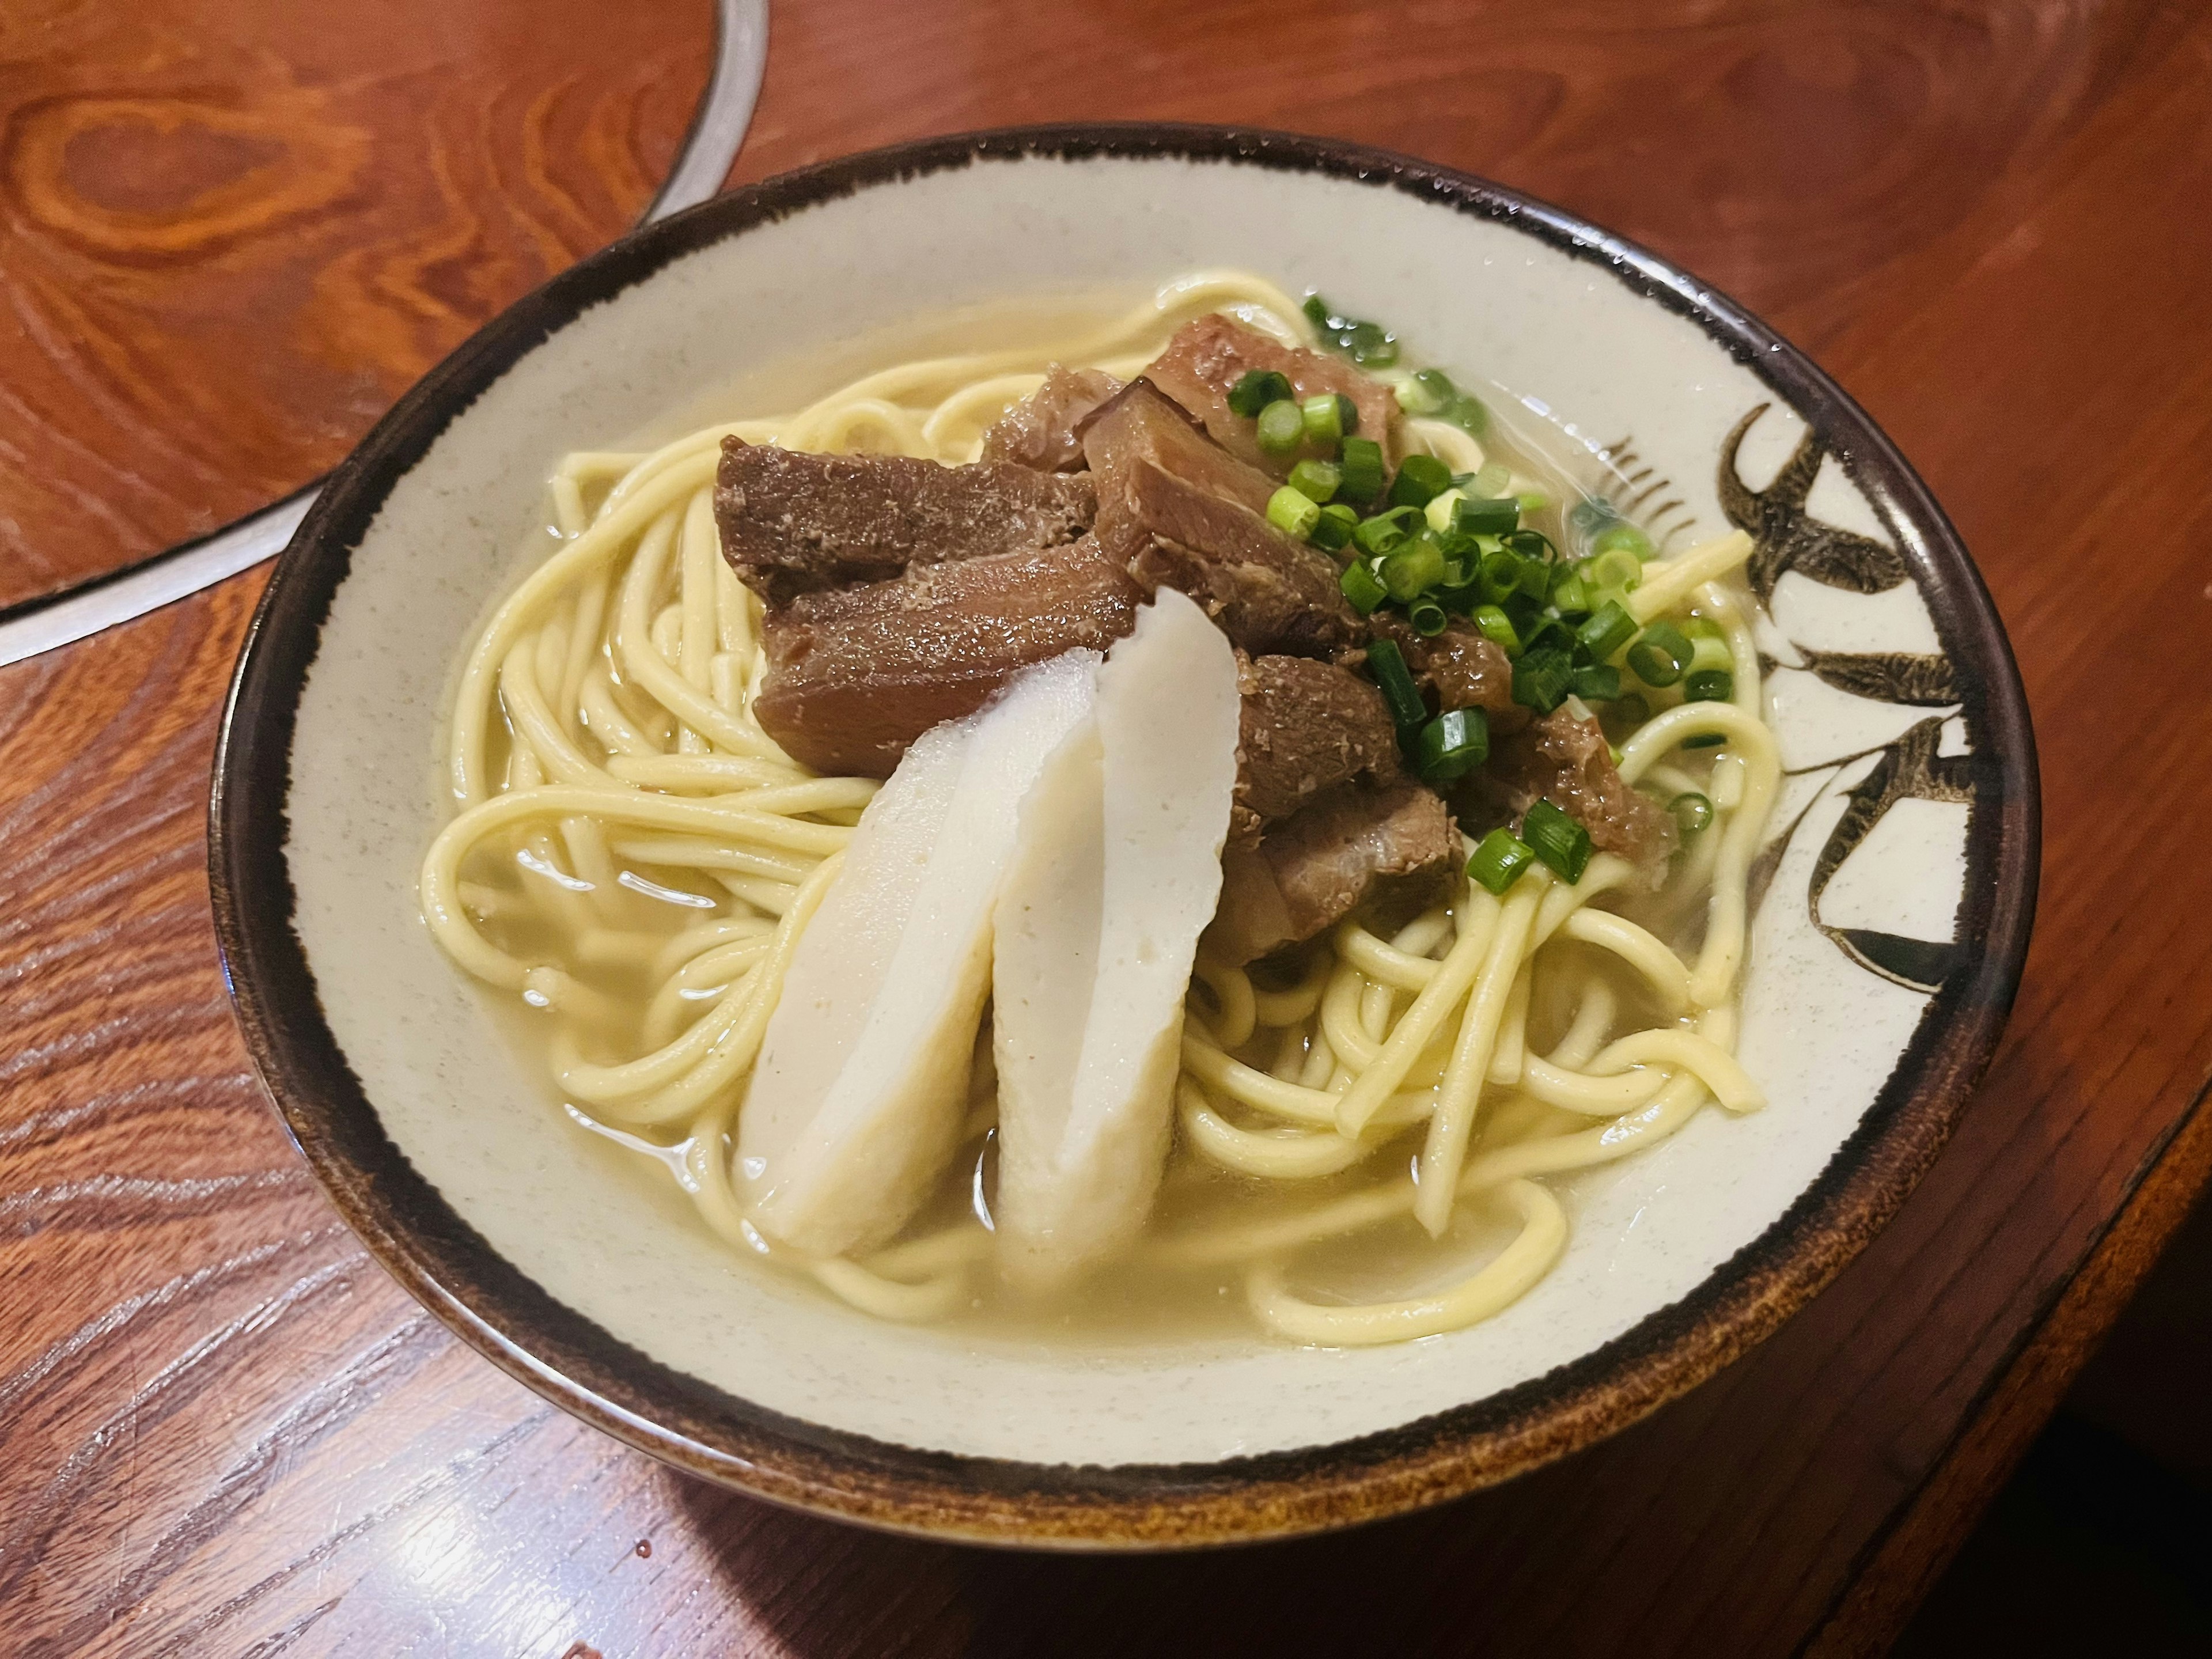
column 236, row 230
column 223, row 1430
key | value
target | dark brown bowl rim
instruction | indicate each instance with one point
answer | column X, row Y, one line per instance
column 410, row 1229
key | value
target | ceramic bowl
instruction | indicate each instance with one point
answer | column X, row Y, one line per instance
column 1896, row 894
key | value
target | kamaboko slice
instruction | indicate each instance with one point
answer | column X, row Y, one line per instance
column 856, row 1103
column 1116, row 872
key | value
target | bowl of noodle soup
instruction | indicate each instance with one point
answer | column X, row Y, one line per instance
column 517, row 858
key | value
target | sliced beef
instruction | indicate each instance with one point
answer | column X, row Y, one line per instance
column 1383, row 855
column 1040, row 431
column 795, row 523
column 1461, row 667
column 1178, row 511
column 1306, row 727
column 1208, row 357
column 856, row 674
column 1568, row 763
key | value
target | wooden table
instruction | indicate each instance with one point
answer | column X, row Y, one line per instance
column 233, row 234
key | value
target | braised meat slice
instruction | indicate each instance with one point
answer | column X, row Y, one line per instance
column 1383, row 855
column 1040, row 431
column 1208, row 357
column 1461, row 666
column 1179, row 510
column 1305, row 726
column 856, row 674
column 1568, row 763
column 793, row 523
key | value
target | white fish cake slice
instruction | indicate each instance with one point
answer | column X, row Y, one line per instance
column 1116, row 873
column 855, row 1106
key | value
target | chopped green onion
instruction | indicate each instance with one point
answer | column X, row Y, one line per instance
column 1542, row 677
column 1293, row 513
column 1556, row 839
column 1416, row 567
column 1597, row 682
column 1608, row 629
column 1475, row 515
column 1692, row 813
column 1497, row 627
column 1706, row 740
column 1534, row 501
column 1398, row 691
column 1491, row 479
column 1438, row 511
column 1548, row 634
column 1362, row 465
column 1631, row 708
column 1420, row 478
column 1427, row 617
column 1467, row 412
column 1501, row 576
column 1328, row 418
column 1332, row 531
column 1417, row 394
column 1257, row 389
column 1362, row 588
column 1317, row 480
column 1281, row 427
column 1535, row 580
column 1709, row 651
column 1614, row 568
column 1659, row 657
column 1569, row 593
column 1452, row 745
column 1702, row 628
column 1709, row 685
column 1385, row 531
column 1499, row 861
column 1622, row 536
column 1368, row 345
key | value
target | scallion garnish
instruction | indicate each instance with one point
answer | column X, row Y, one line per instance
column 1624, row 537
column 1362, row 465
column 1452, row 745
column 1597, row 682
column 1475, row 515
column 1417, row 566
column 1362, row 588
column 1608, row 629
column 1569, row 593
column 1500, row 859
column 1659, row 657
column 1614, row 568
column 1707, row 685
column 1281, row 427
column 1255, row 389
column 1556, row 839
column 1542, row 676
column 1427, row 617
column 1328, row 418
column 1368, row 345
column 1419, row 477
column 1467, row 413
column 1489, row 479
column 1692, row 813
column 1706, row 740
column 1398, row 691
column 1332, row 531
column 1293, row 512
column 1386, row 531
column 1497, row 627
column 1317, row 480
